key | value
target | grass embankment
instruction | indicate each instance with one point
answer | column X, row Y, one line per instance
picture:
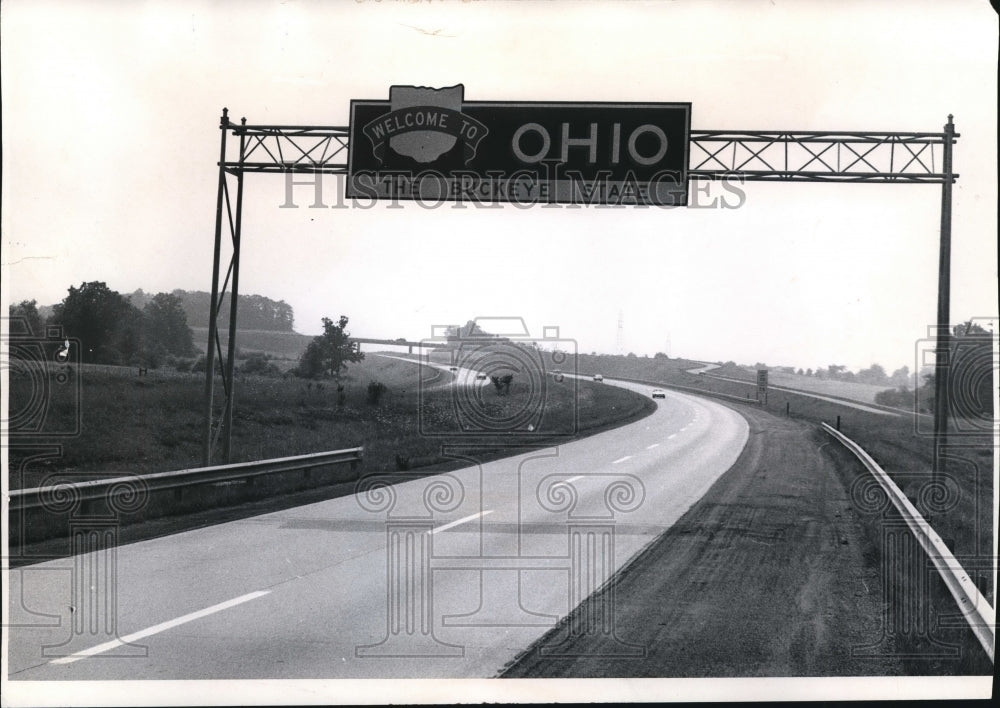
column 279, row 345
column 903, row 445
column 154, row 423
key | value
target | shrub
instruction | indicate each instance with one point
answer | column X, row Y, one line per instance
column 375, row 391
column 502, row 383
column 896, row 398
column 259, row 364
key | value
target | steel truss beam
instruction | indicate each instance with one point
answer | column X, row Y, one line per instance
column 819, row 156
column 764, row 156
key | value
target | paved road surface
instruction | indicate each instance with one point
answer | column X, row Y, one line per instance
column 336, row 590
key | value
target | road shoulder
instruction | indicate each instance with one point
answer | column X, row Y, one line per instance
column 776, row 571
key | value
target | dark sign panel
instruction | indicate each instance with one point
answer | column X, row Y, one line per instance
column 430, row 144
column 762, row 385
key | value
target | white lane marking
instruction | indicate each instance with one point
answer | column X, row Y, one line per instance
column 573, row 479
column 162, row 627
column 622, row 459
column 650, row 447
column 464, row 520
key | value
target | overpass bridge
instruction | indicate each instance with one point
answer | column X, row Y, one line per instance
column 401, row 343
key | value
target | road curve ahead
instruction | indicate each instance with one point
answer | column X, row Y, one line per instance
column 450, row 575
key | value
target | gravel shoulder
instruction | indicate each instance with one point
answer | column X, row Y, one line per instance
column 779, row 570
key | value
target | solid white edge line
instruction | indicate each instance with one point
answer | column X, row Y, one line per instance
column 464, row 520
column 157, row 628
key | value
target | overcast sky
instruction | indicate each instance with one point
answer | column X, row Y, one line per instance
column 110, row 139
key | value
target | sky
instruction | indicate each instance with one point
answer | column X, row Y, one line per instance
column 110, row 143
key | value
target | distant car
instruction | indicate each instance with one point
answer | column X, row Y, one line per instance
column 452, row 368
column 659, row 393
column 480, row 376
column 598, row 377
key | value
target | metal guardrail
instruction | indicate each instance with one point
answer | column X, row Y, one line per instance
column 100, row 488
column 978, row 613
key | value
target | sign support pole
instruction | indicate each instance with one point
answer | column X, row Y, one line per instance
column 227, row 425
column 943, row 336
column 213, row 315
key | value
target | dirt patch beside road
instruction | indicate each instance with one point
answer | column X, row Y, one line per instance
column 776, row 571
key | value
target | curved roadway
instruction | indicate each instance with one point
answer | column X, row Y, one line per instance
column 337, row 590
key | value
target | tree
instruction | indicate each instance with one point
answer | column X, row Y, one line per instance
column 874, row 374
column 165, row 326
column 27, row 310
column 900, row 377
column 329, row 353
column 104, row 321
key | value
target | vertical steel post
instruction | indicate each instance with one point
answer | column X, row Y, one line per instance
column 213, row 314
column 234, row 293
column 943, row 336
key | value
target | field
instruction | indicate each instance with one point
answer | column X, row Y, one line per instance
column 153, row 423
column 279, row 345
column 860, row 392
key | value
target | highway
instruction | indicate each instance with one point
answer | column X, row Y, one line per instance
column 457, row 576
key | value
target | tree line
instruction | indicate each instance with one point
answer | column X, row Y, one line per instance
column 255, row 311
column 111, row 329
